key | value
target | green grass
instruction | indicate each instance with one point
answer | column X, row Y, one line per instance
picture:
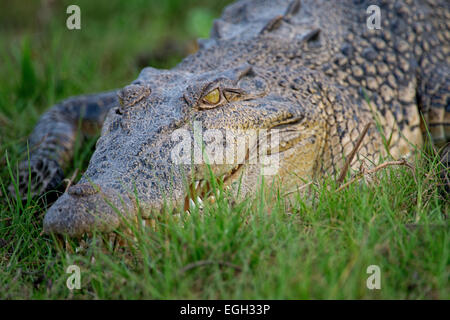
column 319, row 247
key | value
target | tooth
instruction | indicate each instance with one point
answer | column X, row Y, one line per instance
column 196, row 184
column 200, row 202
column 143, row 223
column 191, row 203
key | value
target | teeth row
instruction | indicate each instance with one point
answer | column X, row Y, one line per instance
column 199, row 203
column 199, row 184
column 211, row 199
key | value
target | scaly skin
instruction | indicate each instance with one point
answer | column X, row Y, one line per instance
column 306, row 69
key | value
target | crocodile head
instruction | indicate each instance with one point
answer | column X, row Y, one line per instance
column 173, row 128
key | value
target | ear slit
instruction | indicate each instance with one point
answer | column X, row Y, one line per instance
column 312, row 35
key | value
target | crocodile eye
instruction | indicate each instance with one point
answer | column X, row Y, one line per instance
column 213, row 97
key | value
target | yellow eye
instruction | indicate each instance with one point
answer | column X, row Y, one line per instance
column 213, row 97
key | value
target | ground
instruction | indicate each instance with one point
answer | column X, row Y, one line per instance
column 319, row 247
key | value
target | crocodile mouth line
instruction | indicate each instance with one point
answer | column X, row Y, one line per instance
column 200, row 190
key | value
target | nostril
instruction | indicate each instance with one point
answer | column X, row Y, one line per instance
column 84, row 189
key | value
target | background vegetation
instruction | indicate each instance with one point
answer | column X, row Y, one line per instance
column 319, row 247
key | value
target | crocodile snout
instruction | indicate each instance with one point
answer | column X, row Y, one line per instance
column 85, row 208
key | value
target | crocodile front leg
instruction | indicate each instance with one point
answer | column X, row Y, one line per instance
column 51, row 144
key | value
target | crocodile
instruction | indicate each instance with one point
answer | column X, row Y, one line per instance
column 311, row 73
